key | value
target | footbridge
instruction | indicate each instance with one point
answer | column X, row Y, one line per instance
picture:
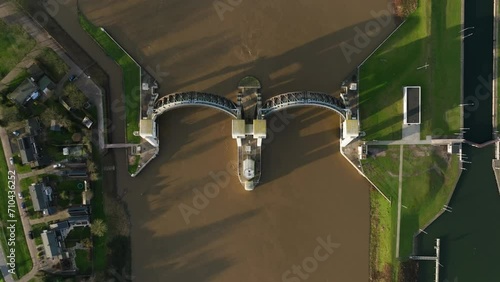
column 249, row 115
column 303, row 98
column 183, row 99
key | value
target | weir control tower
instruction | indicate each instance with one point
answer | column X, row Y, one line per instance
column 249, row 129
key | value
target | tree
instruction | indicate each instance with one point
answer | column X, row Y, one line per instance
column 10, row 114
column 91, row 167
column 87, row 243
column 63, row 195
column 98, row 228
column 94, row 176
column 74, row 97
column 52, row 114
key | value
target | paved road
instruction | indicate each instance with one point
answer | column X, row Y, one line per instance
column 26, row 225
column 400, row 190
column 8, row 153
column 416, row 142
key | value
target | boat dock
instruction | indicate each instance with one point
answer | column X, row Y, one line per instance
column 432, row 258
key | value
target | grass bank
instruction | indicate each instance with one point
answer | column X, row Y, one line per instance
column 131, row 75
column 15, row 44
column 23, row 258
column 429, row 177
column 381, row 238
column 431, row 36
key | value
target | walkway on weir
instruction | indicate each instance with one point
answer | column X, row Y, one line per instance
column 416, row 142
column 275, row 103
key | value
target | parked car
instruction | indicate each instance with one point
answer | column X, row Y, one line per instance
column 23, row 205
column 72, row 78
column 59, row 165
column 30, row 234
column 20, row 195
column 11, row 160
column 16, row 133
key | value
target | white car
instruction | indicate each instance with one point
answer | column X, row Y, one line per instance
column 20, row 195
column 11, row 160
column 58, row 166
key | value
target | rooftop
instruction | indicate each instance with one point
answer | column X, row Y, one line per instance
column 50, row 244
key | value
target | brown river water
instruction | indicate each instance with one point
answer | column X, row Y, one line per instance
column 309, row 218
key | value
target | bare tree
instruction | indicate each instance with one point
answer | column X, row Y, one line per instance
column 98, row 228
column 75, row 98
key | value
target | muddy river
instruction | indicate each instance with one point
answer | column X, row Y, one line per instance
column 309, row 219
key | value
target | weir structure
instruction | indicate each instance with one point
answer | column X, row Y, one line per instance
column 249, row 115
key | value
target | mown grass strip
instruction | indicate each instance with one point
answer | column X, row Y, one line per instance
column 23, row 258
column 430, row 36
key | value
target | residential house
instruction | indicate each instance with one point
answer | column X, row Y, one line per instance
column 30, row 152
column 62, row 227
column 41, row 196
column 51, row 244
column 33, row 126
column 32, row 89
column 24, row 92
column 82, row 221
column 79, row 211
column 46, row 85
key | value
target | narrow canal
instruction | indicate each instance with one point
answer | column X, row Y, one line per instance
column 470, row 244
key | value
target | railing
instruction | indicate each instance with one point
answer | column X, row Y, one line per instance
column 303, row 98
column 182, row 99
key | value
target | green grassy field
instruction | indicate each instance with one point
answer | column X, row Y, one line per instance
column 383, row 170
column 429, row 177
column 381, row 238
column 23, row 258
column 428, row 182
column 83, row 261
column 131, row 76
column 15, row 43
column 14, row 83
column 429, row 36
column 52, row 64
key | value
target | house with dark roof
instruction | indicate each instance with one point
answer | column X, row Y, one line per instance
column 33, row 126
column 51, row 244
column 23, row 93
column 32, row 89
column 41, row 196
column 46, row 85
column 30, row 152
column 82, row 220
column 79, row 211
column 28, row 149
